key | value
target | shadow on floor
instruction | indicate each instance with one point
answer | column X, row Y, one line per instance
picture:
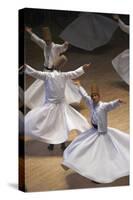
column 37, row 148
column 76, row 181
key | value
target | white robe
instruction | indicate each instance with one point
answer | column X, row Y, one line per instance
column 102, row 154
column 121, row 62
column 52, row 122
column 89, row 31
column 35, row 94
column 50, row 52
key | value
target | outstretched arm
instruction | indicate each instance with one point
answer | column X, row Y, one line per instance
column 78, row 72
column 85, row 96
column 34, row 73
column 113, row 104
column 61, row 48
column 83, row 93
column 35, row 38
column 122, row 25
column 28, row 30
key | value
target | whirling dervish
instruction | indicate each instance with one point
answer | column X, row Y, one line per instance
column 35, row 94
column 101, row 153
column 52, row 122
column 89, row 31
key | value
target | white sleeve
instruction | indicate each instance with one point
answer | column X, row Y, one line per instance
column 123, row 26
column 61, row 48
column 112, row 105
column 34, row 73
column 74, row 74
column 41, row 43
column 85, row 96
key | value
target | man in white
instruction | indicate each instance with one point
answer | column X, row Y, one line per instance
column 51, row 50
column 101, row 153
column 52, row 122
column 34, row 95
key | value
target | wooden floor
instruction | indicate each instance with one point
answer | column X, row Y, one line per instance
column 43, row 169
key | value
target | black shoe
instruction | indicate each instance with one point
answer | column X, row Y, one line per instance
column 51, row 147
column 63, row 146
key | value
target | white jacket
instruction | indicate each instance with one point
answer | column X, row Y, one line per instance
column 50, row 52
column 99, row 112
column 55, row 82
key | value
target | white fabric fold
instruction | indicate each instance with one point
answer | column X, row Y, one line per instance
column 52, row 122
column 89, row 31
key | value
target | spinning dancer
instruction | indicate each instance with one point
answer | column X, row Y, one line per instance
column 34, row 95
column 101, row 153
column 52, row 122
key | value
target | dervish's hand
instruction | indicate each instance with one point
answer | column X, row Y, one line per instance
column 66, row 44
column 121, row 101
column 116, row 17
column 28, row 29
column 86, row 67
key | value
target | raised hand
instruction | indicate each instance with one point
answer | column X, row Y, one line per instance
column 121, row 101
column 24, row 66
column 116, row 17
column 66, row 44
column 86, row 67
column 22, row 69
column 28, row 30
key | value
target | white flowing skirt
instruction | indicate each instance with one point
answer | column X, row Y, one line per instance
column 52, row 123
column 100, row 157
column 35, row 94
column 121, row 65
column 89, row 31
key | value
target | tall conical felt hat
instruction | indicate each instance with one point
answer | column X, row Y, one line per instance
column 46, row 33
column 61, row 60
column 95, row 89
